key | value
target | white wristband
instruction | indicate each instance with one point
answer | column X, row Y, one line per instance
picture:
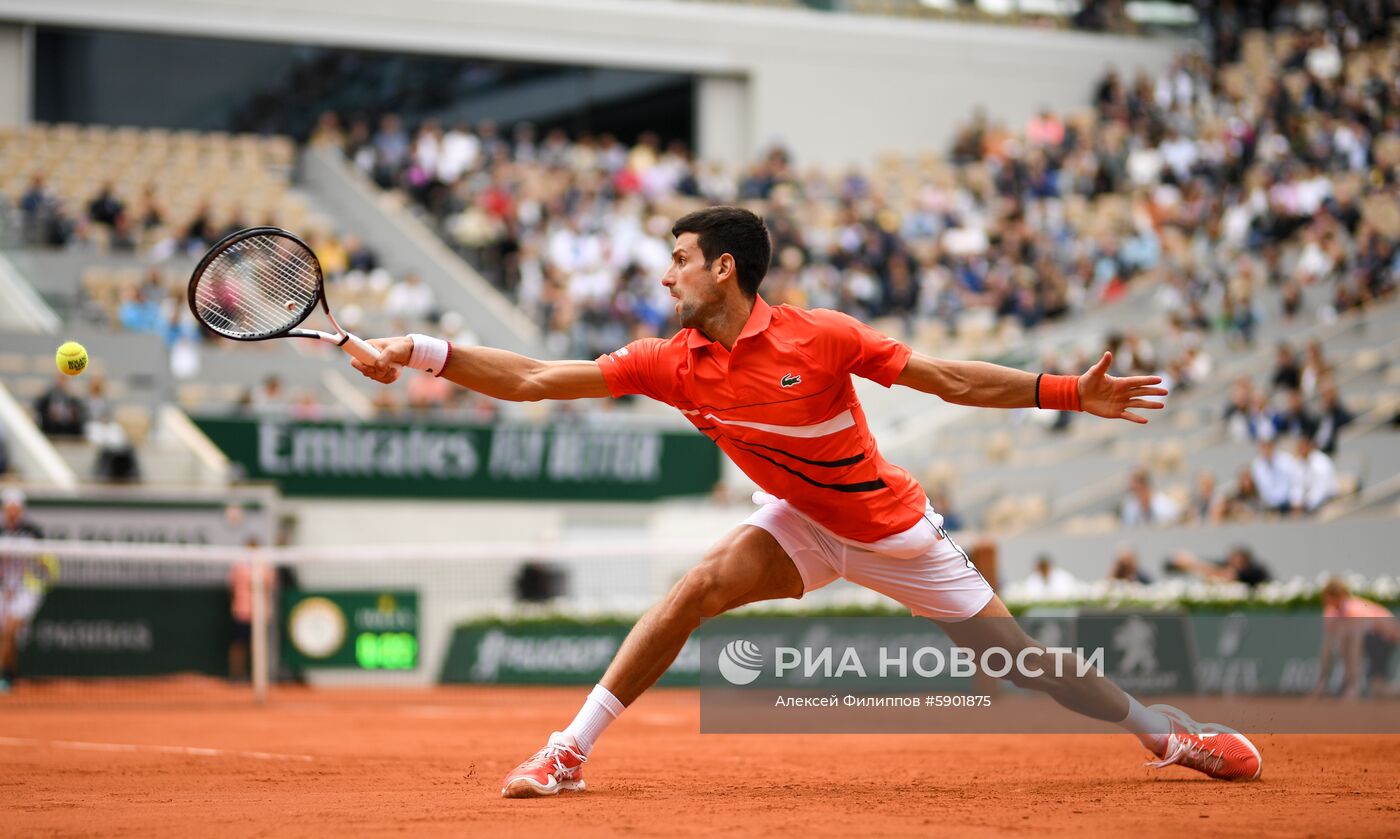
column 429, row 354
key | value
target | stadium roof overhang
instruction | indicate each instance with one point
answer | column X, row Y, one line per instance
column 674, row 36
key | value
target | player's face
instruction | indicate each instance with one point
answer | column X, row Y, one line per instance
column 691, row 283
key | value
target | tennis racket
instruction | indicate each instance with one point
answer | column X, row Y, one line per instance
column 261, row 283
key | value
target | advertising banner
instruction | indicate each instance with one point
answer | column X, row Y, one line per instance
column 547, row 652
column 129, row 631
column 506, row 461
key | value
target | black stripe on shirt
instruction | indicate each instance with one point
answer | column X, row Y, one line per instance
column 845, row 461
column 863, row 486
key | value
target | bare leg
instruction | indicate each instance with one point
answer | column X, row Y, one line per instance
column 1091, row 695
column 237, row 661
column 745, row 566
column 9, row 648
column 1351, row 663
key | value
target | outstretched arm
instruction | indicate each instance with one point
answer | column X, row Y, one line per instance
column 495, row 373
column 985, row 385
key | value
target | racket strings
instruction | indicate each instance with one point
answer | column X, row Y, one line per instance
column 260, row 286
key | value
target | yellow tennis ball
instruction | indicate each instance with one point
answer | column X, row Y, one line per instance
column 71, row 358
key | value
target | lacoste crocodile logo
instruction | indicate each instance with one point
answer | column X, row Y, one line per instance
column 790, row 379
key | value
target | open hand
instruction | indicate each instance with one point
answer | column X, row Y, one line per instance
column 393, row 355
column 1112, row 396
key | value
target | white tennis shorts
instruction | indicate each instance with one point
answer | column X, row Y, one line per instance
column 921, row 568
column 19, row 604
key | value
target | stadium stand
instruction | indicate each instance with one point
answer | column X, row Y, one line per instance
column 1015, row 229
column 1190, row 222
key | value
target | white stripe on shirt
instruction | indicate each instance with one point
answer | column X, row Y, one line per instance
column 840, row 422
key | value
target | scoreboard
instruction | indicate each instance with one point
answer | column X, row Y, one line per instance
column 358, row 630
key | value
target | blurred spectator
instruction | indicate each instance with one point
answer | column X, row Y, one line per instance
column 200, row 233
column 1045, row 130
column 1277, row 476
column 58, row 228
column 4, row 453
column 1295, row 419
column 410, row 300
column 428, row 393
column 1144, row 506
column 1317, row 483
column 36, row 205
column 1243, row 502
column 1239, row 566
column 459, row 154
column 391, row 147
column 1288, row 374
column 1315, row 370
column 1049, row 582
column 942, row 501
column 1125, row 567
column 1206, row 502
column 140, row 307
column 307, row 408
column 328, row 132
column 60, row 412
column 331, row 253
column 1355, row 628
column 1238, row 409
column 358, row 256
column 453, row 327
column 1332, row 418
column 116, row 456
column 386, row 402
column 105, row 209
column 1263, row 422
column 152, row 209
column 269, row 396
column 97, row 403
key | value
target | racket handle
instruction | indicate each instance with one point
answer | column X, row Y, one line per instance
column 358, row 348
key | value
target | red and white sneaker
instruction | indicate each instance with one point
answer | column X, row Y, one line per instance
column 556, row 768
column 1218, row 751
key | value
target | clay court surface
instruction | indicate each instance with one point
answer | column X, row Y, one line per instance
column 203, row 761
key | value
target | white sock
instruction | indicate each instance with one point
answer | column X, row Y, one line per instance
column 597, row 713
column 1151, row 727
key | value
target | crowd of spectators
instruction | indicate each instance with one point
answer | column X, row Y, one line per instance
column 1270, row 164
column 1273, row 168
column 63, row 414
column 1311, row 405
column 1049, row 581
column 1293, row 478
column 1294, row 418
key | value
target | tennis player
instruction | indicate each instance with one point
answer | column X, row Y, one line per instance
column 21, row 584
column 771, row 385
column 1355, row 627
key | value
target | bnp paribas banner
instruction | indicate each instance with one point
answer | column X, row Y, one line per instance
column 415, row 459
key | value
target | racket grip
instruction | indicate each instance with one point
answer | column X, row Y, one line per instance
column 357, row 347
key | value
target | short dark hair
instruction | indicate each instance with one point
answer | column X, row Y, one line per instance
column 735, row 231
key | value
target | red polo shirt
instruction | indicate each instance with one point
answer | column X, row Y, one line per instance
column 782, row 406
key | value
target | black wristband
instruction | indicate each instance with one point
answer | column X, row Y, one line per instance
column 1037, row 389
